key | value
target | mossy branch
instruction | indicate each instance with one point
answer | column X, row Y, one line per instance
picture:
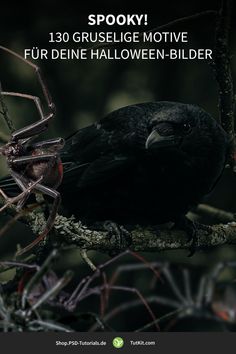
column 149, row 239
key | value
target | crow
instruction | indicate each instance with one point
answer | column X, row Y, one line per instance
column 145, row 164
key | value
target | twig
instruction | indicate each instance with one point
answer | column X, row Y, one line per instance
column 215, row 213
column 4, row 112
column 224, row 79
column 87, row 260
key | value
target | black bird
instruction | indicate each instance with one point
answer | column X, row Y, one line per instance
column 147, row 163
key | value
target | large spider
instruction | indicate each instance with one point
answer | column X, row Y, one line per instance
column 35, row 167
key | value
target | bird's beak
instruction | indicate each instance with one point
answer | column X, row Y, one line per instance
column 155, row 140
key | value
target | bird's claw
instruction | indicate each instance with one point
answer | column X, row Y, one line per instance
column 118, row 234
column 190, row 227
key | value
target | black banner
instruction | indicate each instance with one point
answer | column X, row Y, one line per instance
column 184, row 343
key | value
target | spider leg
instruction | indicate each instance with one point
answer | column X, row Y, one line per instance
column 50, row 221
column 32, row 129
column 23, row 186
column 41, row 80
column 20, row 180
column 56, row 143
column 174, row 286
column 36, row 158
column 35, row 125
column 201, row 292
column 187, row 285
column 3, row 194
column 19, row 197
column 38, row 127
column 212, row 279
column 36, row 100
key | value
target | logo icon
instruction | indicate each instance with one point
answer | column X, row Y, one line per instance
column 118, row 342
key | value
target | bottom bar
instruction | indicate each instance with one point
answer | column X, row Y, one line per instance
column 162, row 343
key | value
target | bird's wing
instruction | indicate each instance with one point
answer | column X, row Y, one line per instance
column 122, row 128
column 98, row 171
column 96, row 153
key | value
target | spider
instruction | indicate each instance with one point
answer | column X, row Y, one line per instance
column 35, row 166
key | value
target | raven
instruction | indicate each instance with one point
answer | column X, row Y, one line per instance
column 147, row 163
column 143, row 164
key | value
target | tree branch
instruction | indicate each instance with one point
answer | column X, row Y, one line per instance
column 218, row 215
column 150, row 239
column 72, row 232
column 224, row 79
column 5, row 114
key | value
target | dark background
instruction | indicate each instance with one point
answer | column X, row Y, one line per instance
column 84, row 91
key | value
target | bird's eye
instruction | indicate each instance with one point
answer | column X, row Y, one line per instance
column 186, row 127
